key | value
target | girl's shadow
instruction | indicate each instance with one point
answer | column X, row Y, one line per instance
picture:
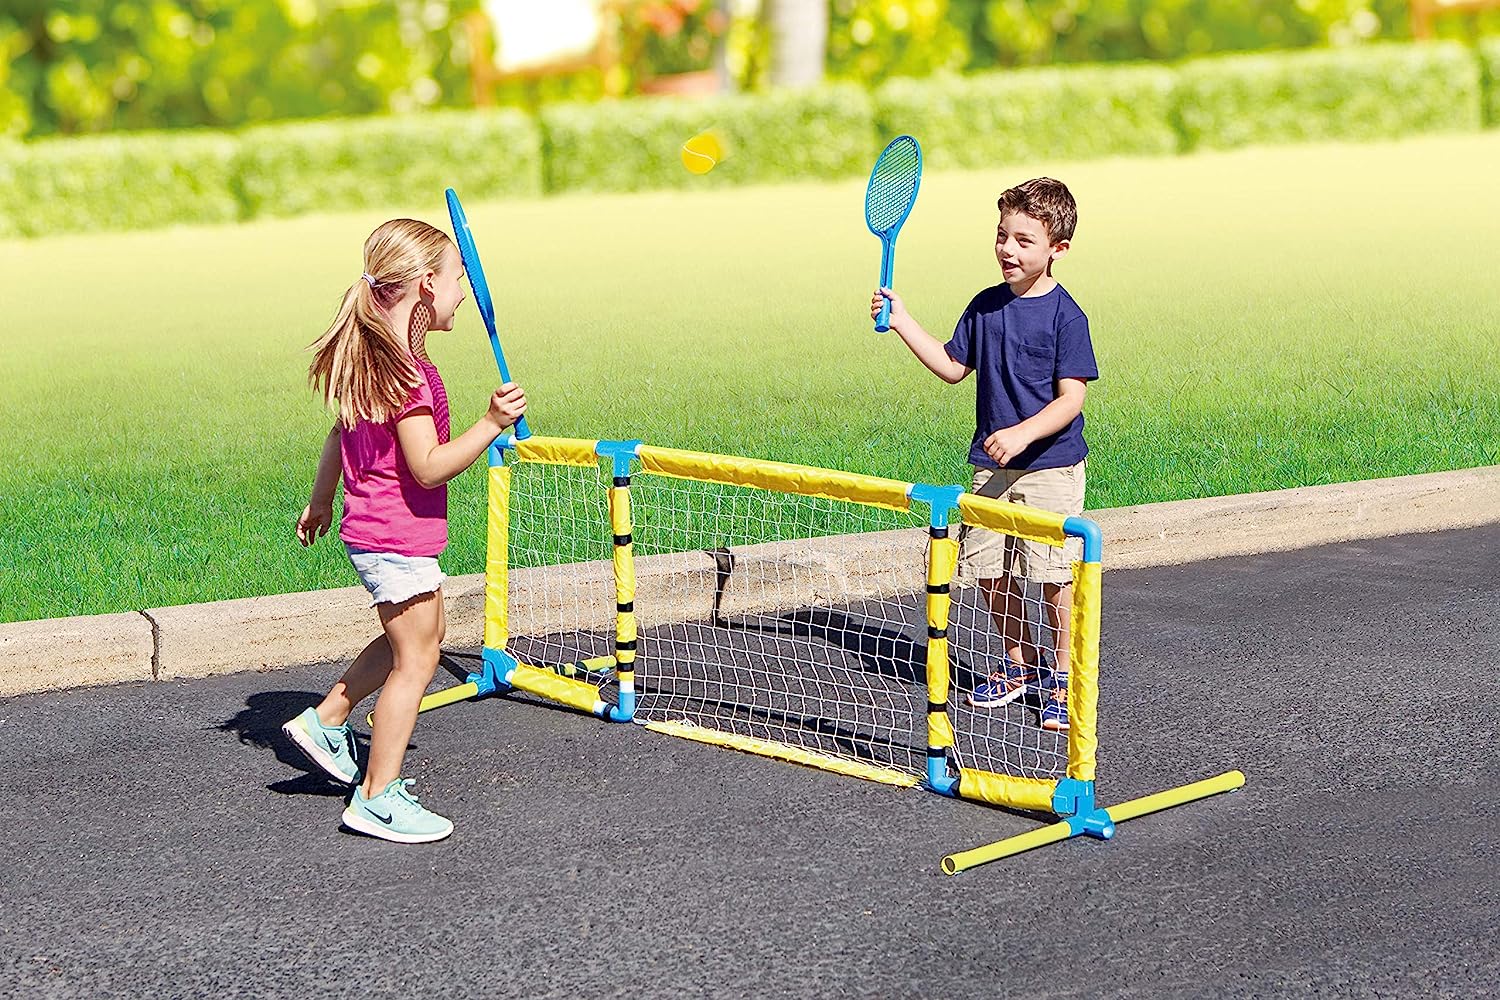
column 259, row 725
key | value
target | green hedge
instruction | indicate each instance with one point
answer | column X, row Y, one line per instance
column 997, row 118
column 636, row 144
column 139, row 180
column 135, row 180
column 1368, row 92
column 1489, row 61
column 369, row 162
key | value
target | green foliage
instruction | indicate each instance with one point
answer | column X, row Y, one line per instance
column 291, row 169
column 632, row 145
column 1489, row 60
column 871, row 40
column 996, row 118
column 92, row 65
column 149, row 179
column 1356, row 93
column 1042, row 32
column 136, row 181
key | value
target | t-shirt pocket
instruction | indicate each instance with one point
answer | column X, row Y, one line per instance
column 1034, row 362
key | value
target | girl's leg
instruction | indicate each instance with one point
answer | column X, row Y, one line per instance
column 364, row 676
column 413, row 630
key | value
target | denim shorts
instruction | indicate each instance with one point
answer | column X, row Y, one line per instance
column 394, row 579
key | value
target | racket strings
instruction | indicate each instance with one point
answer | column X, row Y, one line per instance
column 893, row 185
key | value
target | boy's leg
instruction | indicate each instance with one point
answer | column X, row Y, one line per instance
column 412, row 629
column 1008, row 612
column 1054, row 713
column 1059, row 600
column 1061, row 491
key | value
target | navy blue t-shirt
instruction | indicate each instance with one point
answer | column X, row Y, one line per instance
column 1018, row 348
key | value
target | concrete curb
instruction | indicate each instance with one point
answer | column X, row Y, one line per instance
column 72, row 652
column 200, row 640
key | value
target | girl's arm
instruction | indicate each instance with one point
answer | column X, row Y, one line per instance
column 434, row 464
column 927, row 348
column 317, row 516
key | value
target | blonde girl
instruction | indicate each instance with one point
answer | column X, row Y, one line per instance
column 392, row 446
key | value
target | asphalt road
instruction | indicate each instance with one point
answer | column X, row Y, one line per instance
column 161, row 840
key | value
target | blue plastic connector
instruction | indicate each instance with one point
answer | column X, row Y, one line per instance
column 1095, row 823
column 498, row 667
column 1074, row 801
column 497, row 449
column 938, row 778
column 621, row 453
column 1073, row 797
column 1093, row 539
column 942, row 499
column 624, row 711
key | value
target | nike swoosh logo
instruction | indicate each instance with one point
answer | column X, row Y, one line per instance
column 332, row 746
column 383, row 819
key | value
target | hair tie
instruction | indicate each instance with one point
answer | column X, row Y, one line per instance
column 368, row 278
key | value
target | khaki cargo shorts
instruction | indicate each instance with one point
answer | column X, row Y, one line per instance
column 987, row 555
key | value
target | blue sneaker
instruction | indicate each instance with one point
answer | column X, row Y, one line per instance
column 1055, row 704
column 329, row 747
column 1006, row 684
column 395, row 814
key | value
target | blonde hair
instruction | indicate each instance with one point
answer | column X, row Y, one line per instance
column 362, row 364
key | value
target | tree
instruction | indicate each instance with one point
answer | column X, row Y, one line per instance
column 799, row 41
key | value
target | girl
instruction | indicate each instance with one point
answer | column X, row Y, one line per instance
column 391, row 441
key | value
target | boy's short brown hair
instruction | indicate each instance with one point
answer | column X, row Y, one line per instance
column 1046, row 200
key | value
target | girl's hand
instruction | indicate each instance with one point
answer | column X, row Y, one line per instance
column 314, row 523
column 507, row 405
column 898, row 308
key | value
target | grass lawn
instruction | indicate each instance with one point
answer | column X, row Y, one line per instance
column 1263, row 319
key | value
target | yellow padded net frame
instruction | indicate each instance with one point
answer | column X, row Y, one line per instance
column 810, row 615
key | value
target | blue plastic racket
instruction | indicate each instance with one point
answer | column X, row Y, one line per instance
column 888, row 201
column 481, row 288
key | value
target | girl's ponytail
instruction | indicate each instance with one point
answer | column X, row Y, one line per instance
column 361, row 364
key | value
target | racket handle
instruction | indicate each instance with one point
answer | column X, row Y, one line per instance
column 883, row 324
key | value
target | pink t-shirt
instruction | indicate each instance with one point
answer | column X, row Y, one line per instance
column 385, row 508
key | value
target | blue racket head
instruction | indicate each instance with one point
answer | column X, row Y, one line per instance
column 472, row 266
column 892, row 190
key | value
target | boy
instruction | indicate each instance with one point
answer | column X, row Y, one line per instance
column 1029, row 342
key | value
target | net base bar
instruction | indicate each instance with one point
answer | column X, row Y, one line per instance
column 557, row 682
column 783, row 751
column 1095, row 822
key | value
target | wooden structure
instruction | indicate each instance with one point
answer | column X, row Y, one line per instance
column 1424, row 12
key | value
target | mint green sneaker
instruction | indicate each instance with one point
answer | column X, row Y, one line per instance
column 331, row 748
column 395, row 814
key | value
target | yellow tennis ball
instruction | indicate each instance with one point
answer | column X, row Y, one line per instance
column 702, row 153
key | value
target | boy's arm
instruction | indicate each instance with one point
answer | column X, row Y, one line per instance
column 928, row 349
column 317, row 516
column 433, row 464
column 1008, row 442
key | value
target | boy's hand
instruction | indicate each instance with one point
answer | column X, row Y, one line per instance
column 314, row 523
column 898, row 308
column 1005, row 444
column 506, row 405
